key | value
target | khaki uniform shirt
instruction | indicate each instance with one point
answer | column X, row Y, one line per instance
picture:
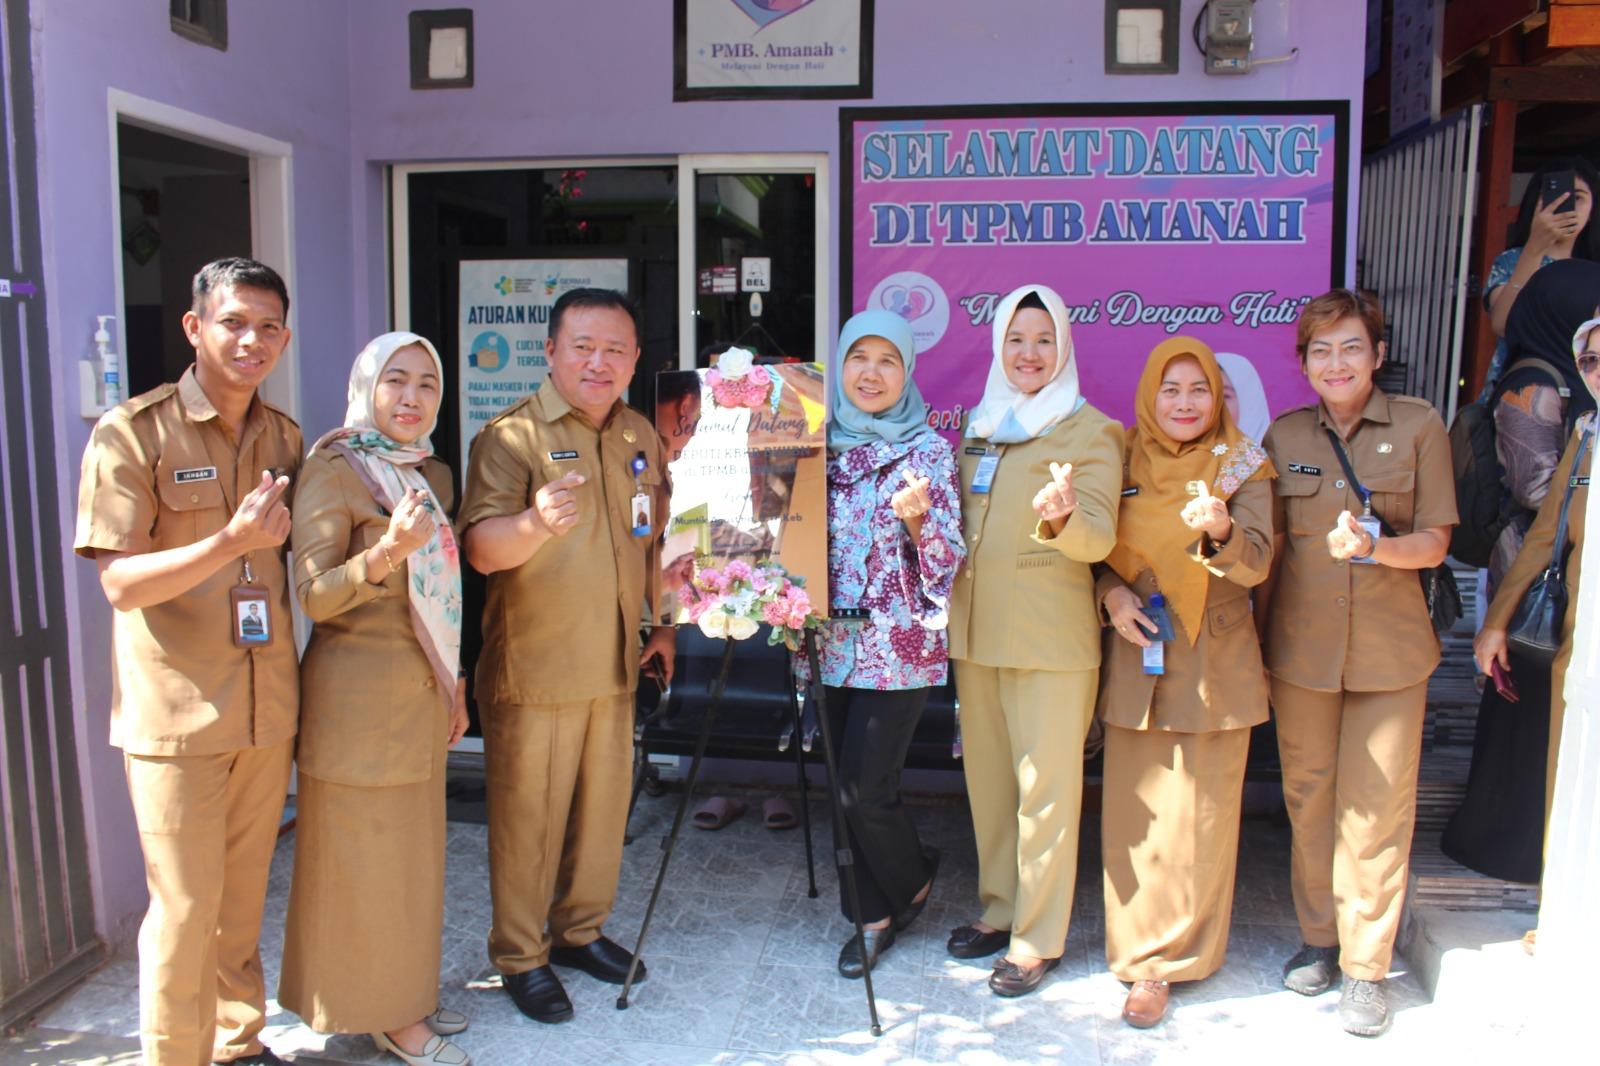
column 1022, row 601
column 371, row 710
column 162, row 471
column 1217, row 682
column 1360, row 627
column 563, row 626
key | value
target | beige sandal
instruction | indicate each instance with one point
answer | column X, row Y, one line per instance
column 436, row 1052
column 446, row 1022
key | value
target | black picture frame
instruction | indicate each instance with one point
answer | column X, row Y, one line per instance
column 1339, row 110
column 422, row 25
column 681, row 91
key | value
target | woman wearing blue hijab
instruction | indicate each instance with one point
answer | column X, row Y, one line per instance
column 894, row 545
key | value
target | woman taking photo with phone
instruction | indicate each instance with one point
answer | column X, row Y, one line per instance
column 381, row 701
column 1182, row 681
column 1345, row 596
column 894, row 545
column 1040, row 471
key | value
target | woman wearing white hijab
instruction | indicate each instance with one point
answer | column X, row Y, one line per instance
column 1040, row 475
column 1244, row 395
column 382, row 699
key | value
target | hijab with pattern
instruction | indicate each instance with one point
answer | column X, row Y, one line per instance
column 388, row 468
column 1580, row 344
column 1151, row 533
column 906, row 419
column 1006, row 414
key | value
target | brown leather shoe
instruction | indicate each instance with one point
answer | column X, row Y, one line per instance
column 1147, row 1003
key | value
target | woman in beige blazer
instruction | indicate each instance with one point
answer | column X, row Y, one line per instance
column 1572, row 474
column 382, row 699
column 1193, row 536
column 1040, row 470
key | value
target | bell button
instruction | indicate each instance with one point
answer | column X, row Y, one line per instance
column 1341, row 601
column 194, row 497
column 428, row 683
column 1338, row 484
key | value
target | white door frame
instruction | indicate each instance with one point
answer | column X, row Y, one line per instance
column 691, row 166
column 271, row 207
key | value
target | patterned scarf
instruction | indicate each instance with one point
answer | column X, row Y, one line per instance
column 388, row 468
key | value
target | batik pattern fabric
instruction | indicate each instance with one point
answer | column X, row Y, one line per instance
column 874, row 566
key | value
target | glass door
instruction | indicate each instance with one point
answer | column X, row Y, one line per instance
column 753, row 256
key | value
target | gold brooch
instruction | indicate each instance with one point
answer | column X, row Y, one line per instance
column 1385, row 448
column 629, row 435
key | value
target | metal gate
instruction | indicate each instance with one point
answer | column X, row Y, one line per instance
column 1417, row 201
column 47, row 934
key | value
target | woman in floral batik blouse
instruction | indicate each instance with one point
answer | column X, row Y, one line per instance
column 894, row 528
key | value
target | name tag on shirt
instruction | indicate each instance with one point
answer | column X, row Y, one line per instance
column 556, row 457
column 983, row 477
column 1579, row 482
column 195, row 473
column 1302, row 468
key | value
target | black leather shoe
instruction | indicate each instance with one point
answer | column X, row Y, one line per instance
column 1009, row 979
column 538, row 994
column 914, row 908
column 603, row 959
column 878, row 942
column 970, row 942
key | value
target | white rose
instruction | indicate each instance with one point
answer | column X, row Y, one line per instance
column 735, row 363
column 741, row 628
column 714, row 624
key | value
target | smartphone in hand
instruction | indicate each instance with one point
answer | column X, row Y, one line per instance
column 1557, row 184
column 1504, row 683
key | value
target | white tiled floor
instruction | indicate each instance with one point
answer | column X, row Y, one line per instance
column 741, row 971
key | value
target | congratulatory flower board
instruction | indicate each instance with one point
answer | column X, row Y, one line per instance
column 746, row 536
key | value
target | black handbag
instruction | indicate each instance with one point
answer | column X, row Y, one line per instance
column 1537, row 628
column 1439, row 590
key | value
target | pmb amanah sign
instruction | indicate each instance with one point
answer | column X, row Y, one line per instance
column 1149, row 220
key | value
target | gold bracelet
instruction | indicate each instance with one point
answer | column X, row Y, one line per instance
column 384, row 548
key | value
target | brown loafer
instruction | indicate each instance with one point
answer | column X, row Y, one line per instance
column 1009, row 979
column 1147, row 1003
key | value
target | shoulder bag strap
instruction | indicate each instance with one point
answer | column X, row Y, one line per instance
column 1560, row 544
column 1355, row 482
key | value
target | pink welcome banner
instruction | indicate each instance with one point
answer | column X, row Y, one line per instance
column 1149, row 220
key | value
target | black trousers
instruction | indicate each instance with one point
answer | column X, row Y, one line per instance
column 872, row 731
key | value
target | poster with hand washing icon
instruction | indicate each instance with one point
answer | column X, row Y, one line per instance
column 504, row 314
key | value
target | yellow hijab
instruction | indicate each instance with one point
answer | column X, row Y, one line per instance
column 1150, row 532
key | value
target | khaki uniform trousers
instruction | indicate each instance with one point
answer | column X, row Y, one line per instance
column 1350, row 781
column 1170, row 835
column 208, row 825
column 558, row 787
column 1022, row 734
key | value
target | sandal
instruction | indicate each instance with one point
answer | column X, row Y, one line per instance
column 446, row 1022
column 436, row 1052
column 778, row 813
column 717, row 812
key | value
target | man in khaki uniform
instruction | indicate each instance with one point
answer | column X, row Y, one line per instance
column 549, row 514
column 181, row 505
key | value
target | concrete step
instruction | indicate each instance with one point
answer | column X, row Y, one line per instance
column 1471, row 961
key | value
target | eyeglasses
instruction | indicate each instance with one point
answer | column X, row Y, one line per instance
column 1587, row 362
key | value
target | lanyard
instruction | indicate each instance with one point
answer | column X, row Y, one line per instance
column 1355, row 482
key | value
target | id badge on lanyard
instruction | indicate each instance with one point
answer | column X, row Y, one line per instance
column 1369, row 522
column 983, row 476
column 250, row 612
column 639, row 505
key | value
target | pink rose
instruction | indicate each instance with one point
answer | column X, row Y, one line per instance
column 737, row 570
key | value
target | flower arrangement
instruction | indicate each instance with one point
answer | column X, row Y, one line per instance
column 737, row 600
column 736, row 382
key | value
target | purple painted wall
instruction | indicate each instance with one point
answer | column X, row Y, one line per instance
column 276, row 80
column 553, row 80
